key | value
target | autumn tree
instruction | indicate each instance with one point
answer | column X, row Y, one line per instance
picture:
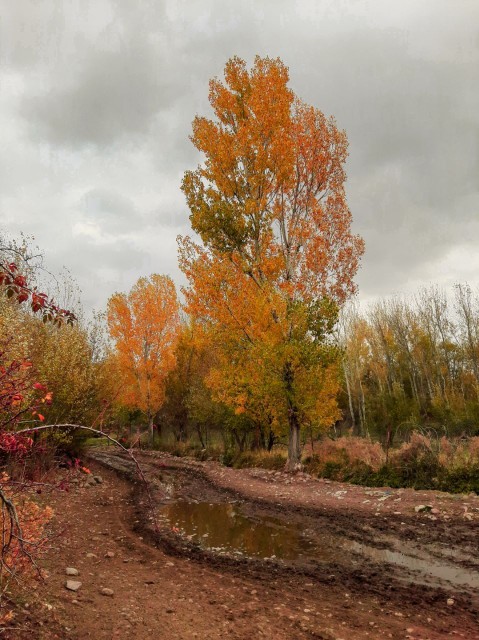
column 144, row 327
column 277, row 258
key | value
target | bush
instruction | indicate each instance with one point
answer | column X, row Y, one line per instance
column 261, row 459
column 420, row 463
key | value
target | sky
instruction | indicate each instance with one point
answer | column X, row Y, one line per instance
column 97, row 99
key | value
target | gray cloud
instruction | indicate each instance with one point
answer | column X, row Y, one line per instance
column 115, row 95
column 98, row 97
column 109, row 211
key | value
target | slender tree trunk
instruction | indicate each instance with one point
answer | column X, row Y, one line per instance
column 240, row 442
column 150, row 429
column 200, row 436
column 294, row 445
column 350, row 399
column 270, row 440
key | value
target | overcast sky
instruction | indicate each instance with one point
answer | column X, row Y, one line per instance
column 97, row 99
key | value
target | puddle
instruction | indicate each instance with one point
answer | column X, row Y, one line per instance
column 228, row 527
column 224, row 526
column 429, row 568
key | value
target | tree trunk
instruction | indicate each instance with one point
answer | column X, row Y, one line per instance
column 294, row 444
column 350, row 398
column 240, row 442
column 270, row 440
column 200, row 436
column 150, row 430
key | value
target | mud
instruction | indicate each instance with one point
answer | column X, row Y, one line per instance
column 212, row 553
column 235, row 527
column 394, row 557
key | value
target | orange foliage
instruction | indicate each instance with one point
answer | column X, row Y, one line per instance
column 144, row 326
column 278, row 257
column 270, row 196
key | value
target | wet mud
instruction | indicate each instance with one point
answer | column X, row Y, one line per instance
column 194, row 516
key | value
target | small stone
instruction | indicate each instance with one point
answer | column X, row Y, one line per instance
column 72, row 585
column 91, row 555
column 109, row 554
column 450, row 602
column 421, row 508
column 98, row 479
column 70, row 571
column 107, row 592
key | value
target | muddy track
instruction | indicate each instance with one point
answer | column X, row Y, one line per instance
column 386, row 582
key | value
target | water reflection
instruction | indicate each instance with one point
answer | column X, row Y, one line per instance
column 228, row 527
column 425, row 565
column 225, row 526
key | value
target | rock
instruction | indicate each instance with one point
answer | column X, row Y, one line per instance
column 421, row 508
column 91, row 555
column 70, row 571
column 98, row 479
column 72, row 585
column 450, row 602
column 107, row 592
column 109, row 554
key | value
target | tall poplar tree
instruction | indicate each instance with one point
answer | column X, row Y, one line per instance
column 277, row 258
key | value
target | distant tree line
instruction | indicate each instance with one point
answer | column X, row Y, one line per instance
column 410, row 363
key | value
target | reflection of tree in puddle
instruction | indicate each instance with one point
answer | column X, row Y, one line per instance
column 227, row 526
column 224, row 525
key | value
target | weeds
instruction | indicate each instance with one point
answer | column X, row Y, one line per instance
column 421, row 462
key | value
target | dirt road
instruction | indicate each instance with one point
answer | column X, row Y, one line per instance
column 250, row 553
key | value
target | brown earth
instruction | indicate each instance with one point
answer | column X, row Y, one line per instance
column 167, row 586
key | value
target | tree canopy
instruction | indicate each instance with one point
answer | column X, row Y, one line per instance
column 144, row 326
column 277, row 258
